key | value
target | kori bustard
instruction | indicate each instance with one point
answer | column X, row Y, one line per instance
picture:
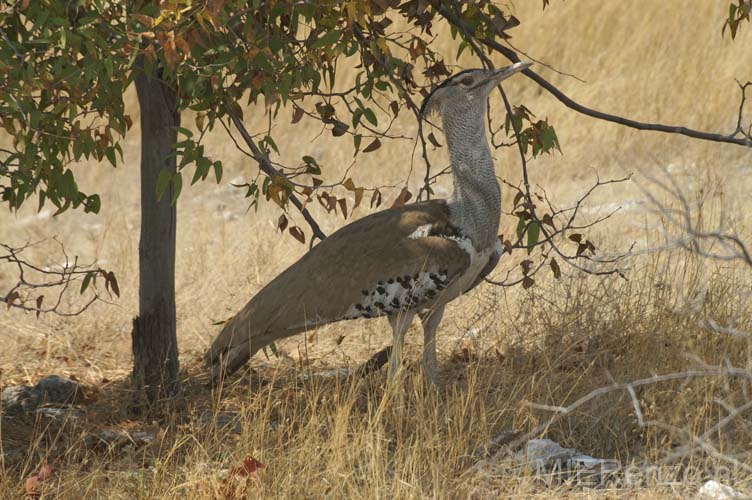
column 399, row 262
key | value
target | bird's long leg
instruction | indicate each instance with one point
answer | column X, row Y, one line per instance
column 430, row 320
column 400, row 323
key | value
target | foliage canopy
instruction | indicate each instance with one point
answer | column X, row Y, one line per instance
column 64, row 67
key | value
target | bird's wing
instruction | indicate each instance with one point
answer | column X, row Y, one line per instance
column 396, row 258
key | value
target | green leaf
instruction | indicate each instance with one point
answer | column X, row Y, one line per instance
column 329, row 38
column 356, row 117
column 202, row 169
column 186, row 132
column 93, row 204
column 533, row 232
column 162, row 182
column 177, row 182
column 87, row 280
column 110, row 153
column 273, row 348
column 218, row 170
column 370, row 116
column 268, row 140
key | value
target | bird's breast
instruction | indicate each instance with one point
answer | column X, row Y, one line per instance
column 478, row 260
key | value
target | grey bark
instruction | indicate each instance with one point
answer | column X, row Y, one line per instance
column 154, row 337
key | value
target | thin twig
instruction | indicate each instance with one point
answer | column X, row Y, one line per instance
column 269, row 170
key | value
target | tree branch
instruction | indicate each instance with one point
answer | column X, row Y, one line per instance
column 512, row 56
column 269, row 170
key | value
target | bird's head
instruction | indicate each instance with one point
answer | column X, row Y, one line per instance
column 466, row 90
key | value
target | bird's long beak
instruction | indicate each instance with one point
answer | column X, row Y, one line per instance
column 504, row 73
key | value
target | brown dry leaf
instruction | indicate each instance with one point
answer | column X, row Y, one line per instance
column 555, row 268
column 297, row 233
column 403, row 198
column 358, row 197
column 375, row 144
column 249, row 469
column 195, row 38
column 150, row 53
column 258, row 80
column 171, row 53
column 297, row 114
column 394, row 106
column 215, row 7
column 376, row 198
column 32, row 485
column 282, row 223
column 145, row 20
column 183, row 45
column 113, row 283
column 39, row 305
column 11, row 298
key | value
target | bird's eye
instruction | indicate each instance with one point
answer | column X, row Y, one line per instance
column 468, row 80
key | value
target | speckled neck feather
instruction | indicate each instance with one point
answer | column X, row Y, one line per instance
column 475, row 205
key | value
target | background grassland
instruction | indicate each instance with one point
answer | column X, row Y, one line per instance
column 499, row 348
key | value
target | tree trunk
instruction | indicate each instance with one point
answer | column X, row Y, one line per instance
column 155, row 348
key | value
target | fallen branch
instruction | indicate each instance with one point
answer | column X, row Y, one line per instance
column 562, row 411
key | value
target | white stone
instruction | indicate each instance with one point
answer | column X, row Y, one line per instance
column 713, row 490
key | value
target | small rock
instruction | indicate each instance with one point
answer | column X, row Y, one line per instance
column 474, row 333
column 117, row 438
column 598, row 465
column 547, row 455
column 58, row 390
column 222, row 420
column 143, row 437
column 713, row 490
column 542, row 453
column 18, row 399
column 326, row 374
column 53, row 390
column 61, row 415
column 12, row 457
column 110, row 436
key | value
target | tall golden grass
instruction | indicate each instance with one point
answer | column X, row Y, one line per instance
column 500, row 349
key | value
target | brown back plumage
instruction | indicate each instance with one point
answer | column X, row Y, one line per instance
column 321, row 286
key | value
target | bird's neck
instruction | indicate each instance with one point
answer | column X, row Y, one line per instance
column 475, row 205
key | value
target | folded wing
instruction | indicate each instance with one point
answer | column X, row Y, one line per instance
column 378, row 265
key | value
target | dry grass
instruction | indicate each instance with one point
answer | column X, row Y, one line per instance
column 499, row 348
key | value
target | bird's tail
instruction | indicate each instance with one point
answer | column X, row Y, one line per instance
column 231, row 349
